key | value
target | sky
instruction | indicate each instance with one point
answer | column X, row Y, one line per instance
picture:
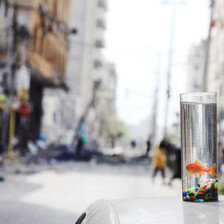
column 137, row 41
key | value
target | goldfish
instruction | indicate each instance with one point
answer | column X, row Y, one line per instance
column 198, row 168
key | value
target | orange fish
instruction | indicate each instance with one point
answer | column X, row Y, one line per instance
column 198, row 167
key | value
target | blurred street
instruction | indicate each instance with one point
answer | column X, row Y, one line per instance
column 59, row 193
column 90, row 103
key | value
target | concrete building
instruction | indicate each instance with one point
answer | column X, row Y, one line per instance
column 195, row 67
column 86, row 61
column 105, row 106
column 216, row 62
column 48, row 58
column 57, row 112
column 110, row 84
column 37, row 33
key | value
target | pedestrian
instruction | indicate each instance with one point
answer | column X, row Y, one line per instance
column 221, row 159
column 148, row 147
column 177, row 172
column 133, row 144
column 220, row 156
column 159, row 160
column 80, row 144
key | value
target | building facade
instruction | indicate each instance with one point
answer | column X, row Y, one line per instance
column 49, row 49
column 85, row 68
column 195, row 67
column 105, row 121
column 36, row 50
column 216, row 62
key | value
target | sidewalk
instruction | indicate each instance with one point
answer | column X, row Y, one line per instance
column 68, row 188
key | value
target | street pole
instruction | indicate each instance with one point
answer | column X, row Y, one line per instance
column 12, row 81
column 205, row 73
column 11, row 130
column 155, row 104
column 7, row 133
column 170, row 59
column 82, row 119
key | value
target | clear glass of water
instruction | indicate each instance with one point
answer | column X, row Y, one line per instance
column 199, row 146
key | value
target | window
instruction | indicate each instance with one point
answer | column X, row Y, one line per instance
column 196, row 67
column 101, row 4
column 100, row 24
column 99, row 44
column 97, row 64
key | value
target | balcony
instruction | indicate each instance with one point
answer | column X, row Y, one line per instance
column 101, row 23
column 99, row 39
column 102, row 4
column 42, row 65
column 99, row 60
column 99, row 44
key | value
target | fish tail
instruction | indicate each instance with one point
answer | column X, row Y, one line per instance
column 212, row 170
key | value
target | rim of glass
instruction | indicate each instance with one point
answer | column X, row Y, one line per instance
column 199, row 94
column 199, row 97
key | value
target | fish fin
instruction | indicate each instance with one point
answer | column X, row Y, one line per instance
column 201, row 172
column 196, row 175
column 198, row 163
column 212, row 170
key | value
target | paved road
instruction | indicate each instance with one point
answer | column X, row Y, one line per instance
column 59, row 193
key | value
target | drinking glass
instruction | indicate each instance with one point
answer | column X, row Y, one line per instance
column 199, row 146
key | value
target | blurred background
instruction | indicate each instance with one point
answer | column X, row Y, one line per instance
column 89, row 89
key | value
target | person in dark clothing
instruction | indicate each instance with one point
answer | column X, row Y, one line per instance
column 80, row 144
column 177, row 173
column 148, row 147
column 133, row 144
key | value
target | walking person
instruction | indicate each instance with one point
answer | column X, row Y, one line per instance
column 159, row 160
column 133, row 144
column 148, row 147
column 80, row 144
column 177, row 173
